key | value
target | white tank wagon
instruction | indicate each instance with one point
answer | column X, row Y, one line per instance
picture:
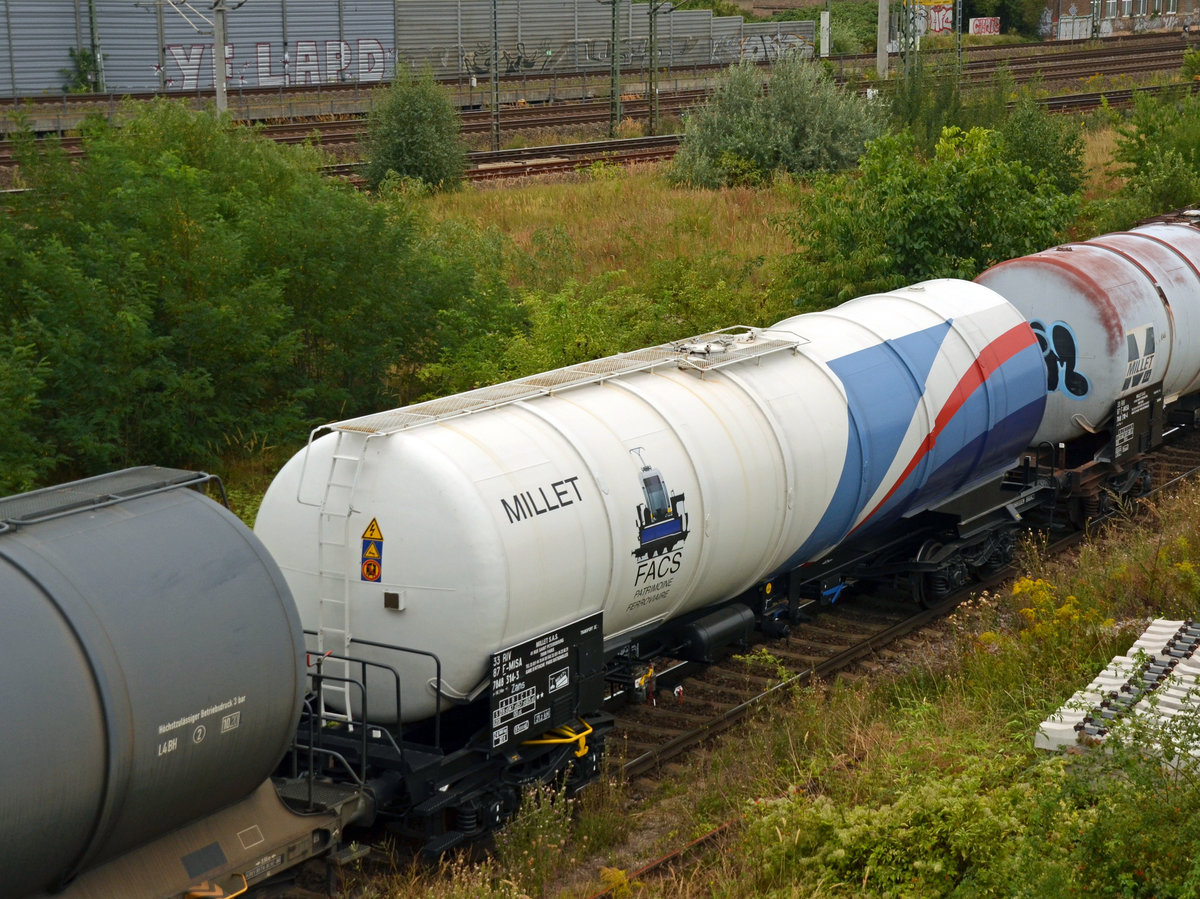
column 1114, row 316
column 644, row 486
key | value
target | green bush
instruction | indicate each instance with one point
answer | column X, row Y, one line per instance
column 187, row 280
column 1191, row 65
column 922, row 844
column 414, row 131
column 804, row 123
column 929, row 99
column 853, row 23
column 1161, row 123
column 24, row 458
column 1050, row 144
column 1158, row 153
column 905, row 219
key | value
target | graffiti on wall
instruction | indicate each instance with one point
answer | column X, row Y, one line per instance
column 304, row 62
column 934, row 18
column 985, row 25
column 1074, row 23
column 770, row 47
column 367, row 60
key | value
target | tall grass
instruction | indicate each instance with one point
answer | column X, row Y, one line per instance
column 926, row 784
column 626, row 221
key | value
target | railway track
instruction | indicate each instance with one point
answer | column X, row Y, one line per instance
column 525, row 97
column 836, row 639
column 490, row 165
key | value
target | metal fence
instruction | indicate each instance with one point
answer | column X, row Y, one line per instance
column 120, row 46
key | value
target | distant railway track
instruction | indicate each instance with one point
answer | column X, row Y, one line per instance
column 1081, row 60
column 1051, row 61
column 562, row 158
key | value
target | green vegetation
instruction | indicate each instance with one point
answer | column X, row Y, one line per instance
column 1159, row 154
column 84, row 74
column 413, row 132
column 904, row 219
column 1191, row 65
column 804, row 123
column 189, row 282
column 852, row 24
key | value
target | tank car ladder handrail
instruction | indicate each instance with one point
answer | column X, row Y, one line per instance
column 705, row 352
column 333, row 561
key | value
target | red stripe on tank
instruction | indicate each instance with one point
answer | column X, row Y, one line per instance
column 990, row 358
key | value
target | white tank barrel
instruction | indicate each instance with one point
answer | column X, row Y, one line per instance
column 647, row 485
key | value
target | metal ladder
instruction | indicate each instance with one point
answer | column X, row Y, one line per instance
column 334, row 557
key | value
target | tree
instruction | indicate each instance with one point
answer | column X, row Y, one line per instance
column 804, row 123
column 1049, row 143
column 906, row 219
column 1158, row 150
column 414, row 131
column 188, row 291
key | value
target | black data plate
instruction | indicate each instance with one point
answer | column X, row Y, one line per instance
column 1137, row 423
column 529, row 679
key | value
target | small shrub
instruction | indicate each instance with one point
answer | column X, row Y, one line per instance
column 1158, row 125
column 1050, row 144
column 906, row 219
column 530, row 848
column 1191, row 65
column 804, row 123
column 414, row 131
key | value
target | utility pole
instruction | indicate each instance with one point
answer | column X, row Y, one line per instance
column 652, row 9
column 219, row 11
column 958, row 32
column 881, row 40
column 614, row 87
column 495, row 77
column 219, row 8
column 827, row 29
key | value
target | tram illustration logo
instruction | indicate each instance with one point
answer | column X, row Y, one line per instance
column 1061, row 353
column 661, row 519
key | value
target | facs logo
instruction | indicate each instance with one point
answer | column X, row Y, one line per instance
column 661, row 528
column 661, row 519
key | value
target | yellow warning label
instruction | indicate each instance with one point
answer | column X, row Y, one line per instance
column 371, row 551
column 372, row 532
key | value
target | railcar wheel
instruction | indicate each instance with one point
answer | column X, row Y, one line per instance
column 922, row 582
column 930, row 586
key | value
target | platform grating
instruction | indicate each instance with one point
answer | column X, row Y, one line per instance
column 702, row 353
